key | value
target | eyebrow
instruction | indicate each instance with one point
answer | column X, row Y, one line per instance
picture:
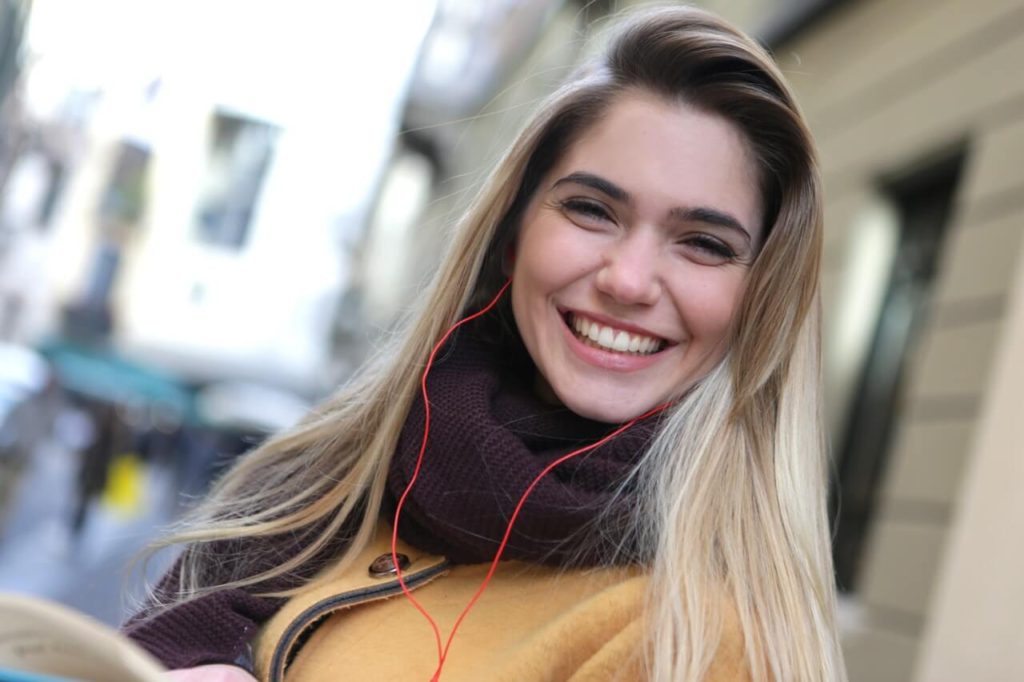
column 698, row 214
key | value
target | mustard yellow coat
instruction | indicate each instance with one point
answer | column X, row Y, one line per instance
column 533, row 623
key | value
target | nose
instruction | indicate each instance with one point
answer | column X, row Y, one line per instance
column 629, row 272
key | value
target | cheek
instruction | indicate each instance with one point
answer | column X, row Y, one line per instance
column 531, row 283
column 544, row 256
column 710, row 307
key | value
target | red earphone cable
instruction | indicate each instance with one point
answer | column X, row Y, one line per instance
column 515, row 514
column 419, row 464
column 442, row 652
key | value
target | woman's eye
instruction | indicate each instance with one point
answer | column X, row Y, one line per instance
column 710, row 249
column 587, row 209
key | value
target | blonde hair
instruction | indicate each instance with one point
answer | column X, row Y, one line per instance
column 733, row 485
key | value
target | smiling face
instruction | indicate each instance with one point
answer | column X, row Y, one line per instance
column 632, row 255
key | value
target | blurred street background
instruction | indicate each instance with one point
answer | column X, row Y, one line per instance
column 211, row 212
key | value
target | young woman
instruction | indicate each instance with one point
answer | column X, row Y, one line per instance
column 659, row 222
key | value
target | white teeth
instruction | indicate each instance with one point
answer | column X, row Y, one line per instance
column 614, row 339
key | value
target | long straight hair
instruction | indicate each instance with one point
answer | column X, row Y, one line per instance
column 733, row 486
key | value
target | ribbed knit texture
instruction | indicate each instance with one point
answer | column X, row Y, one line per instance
column 490, row 435
column 217, row 627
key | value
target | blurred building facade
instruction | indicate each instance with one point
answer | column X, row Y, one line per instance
column 199, row 206
column 918, row 109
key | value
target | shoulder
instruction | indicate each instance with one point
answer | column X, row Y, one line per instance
column 730, row 663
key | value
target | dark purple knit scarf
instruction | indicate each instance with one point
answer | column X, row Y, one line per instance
column 490, row 436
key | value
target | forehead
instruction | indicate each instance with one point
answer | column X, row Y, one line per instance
column 670, row 154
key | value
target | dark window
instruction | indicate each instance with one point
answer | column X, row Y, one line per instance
column 124, row 199
column 924, row 201
column 239, row 157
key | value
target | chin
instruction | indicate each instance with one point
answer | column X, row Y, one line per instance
column 610, row 413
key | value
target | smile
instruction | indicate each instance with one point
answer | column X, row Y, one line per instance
column 612, row 339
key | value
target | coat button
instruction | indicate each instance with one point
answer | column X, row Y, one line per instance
column 384, row 565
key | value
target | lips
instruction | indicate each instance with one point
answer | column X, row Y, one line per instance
column 612, row 338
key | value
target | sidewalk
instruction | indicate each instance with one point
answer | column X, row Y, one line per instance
column 39, row 556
